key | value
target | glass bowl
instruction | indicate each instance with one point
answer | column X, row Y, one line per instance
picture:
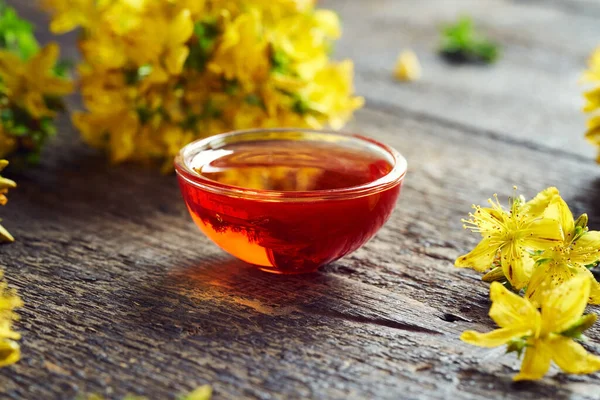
column 289, row 200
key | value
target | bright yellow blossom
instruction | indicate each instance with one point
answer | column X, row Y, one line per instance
column 213, row 66
column 9, row 348
column 545, row 335
column 407, row 67
column 570, row 257
column 511, row 236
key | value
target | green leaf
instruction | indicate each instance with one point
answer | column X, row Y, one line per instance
column 63, row 68
column 16, row 34
column 6, row 115
column 301, row 106
column 231, row 87
column 144, row 114
column 135, row 75
column 202, row 45
column 280, row 61
column 254, row 100
column 516, row 346
column 496, row 274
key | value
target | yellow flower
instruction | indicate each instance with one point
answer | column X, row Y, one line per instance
column 9, row 348
column 408, row 67
column 544, row 336
column 568, row 258
column 303, row 39
column 165, row 53
column 329, row 94
column 242, row 53
column 27, row 83
column 511, row 235
column 5, row 185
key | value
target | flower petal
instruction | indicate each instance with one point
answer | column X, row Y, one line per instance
column 181, row 28
column 537, row 205
column 516, row 264
column 175, row 59
column 572, row 357
column 494, row 338
column 510, row 310
column 586, row 250
column 545, row 277
column 5, row 235
column 592, row 135
column 535, row 363
column 45, row 60
column 559, row 210
column 564, row 305
column 543, row 233
column 594, row 288
column 201, row 393
column 10, row 63
column 480, row 258
column 122, row 140
column 595, row 292
column 10, row 352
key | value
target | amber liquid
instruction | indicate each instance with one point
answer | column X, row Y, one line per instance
column 290, row 236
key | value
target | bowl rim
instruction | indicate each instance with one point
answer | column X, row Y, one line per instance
column 392, row 178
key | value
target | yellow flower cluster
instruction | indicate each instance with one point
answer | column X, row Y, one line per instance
column 157, row 74
column 592, row 100
column 538, row 249
column 31, row 88
column 10, row 352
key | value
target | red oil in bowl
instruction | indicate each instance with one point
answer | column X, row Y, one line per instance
column 290, row 202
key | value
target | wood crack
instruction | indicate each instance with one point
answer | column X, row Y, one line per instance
column 362, row 319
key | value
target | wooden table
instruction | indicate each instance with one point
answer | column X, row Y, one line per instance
column 123, row 295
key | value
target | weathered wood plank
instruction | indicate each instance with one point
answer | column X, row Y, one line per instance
column 124, row 295
column 531, row 94
column 127, row 296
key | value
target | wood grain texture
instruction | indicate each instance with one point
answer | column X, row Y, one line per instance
column 124, row 295
column 532, row 95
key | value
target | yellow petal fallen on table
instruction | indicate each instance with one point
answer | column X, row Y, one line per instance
column 408, row 67
column 5, row 236
column 201, row 393
column 10, row 352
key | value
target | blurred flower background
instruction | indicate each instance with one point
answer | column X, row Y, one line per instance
column 215, row 66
